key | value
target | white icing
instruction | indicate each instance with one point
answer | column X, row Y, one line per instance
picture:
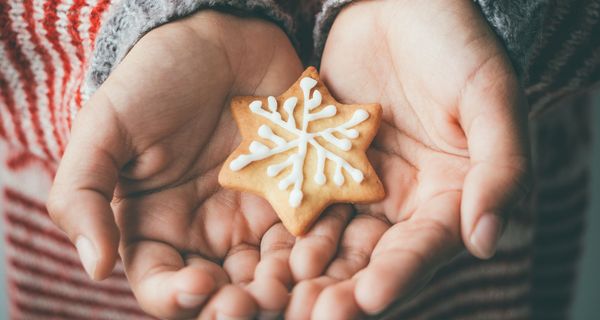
column 259, row 151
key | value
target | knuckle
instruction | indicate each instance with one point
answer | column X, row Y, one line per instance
column 56, row 206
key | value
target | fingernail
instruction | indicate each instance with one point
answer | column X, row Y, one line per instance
column 190, row 301
column 486, row 235
column 268, row 315
column 87, row 254
column 221, row 316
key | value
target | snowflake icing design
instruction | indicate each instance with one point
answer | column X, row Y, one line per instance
column 302, row 141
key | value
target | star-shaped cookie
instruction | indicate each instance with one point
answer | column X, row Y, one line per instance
column 303, row 151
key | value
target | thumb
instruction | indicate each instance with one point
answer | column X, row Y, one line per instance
column 79, row 201
column 493, row 113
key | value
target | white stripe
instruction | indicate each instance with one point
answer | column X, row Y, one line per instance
column 85, row 312
column 63, row 26
column 84, row 33
column 59, row 72
column 49, row 245
column 35, row 218
column 15, row 86
column 56, row 286
column 42, row 89
column 52, row 266
column 6, row 119
column 43, row 222
column 44, row 244
column 39, row 74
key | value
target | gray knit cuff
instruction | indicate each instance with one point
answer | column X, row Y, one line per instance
column 518, row 23
column 129, row 20
column 323, row 23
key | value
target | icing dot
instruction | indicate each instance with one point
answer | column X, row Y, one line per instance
column 315, row 101
column 307, row 83
column 255, row 106
column 329, row 111
column 345, row 144
column 238, row 163
column 338, row 178
column 257, row 147
column 289, row 104
column 352, row 133
column 272, row 103
column 360, row 115
column 264, row 131
column 282, row 185
column 320, row 178
column 357, row 175
column 295, row 198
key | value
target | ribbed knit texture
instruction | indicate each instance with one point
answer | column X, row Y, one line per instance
column 517, row 23
column 46, row 49
column 551, row 43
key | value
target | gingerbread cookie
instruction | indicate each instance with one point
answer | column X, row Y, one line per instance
column 303, row 151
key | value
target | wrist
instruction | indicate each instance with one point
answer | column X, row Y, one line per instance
column 131, row 20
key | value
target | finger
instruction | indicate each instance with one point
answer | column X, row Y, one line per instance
column 494, row 117
column 164, row 285
column 270, row 295
column 230, row 302
column 240, row 263
column 409, row 253
column 337, row 302
column 313, row 252
column 275, row 250
column 357, row 244
column 304, row 296
column 79, row 202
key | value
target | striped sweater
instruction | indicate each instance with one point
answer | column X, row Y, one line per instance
column 52, row 58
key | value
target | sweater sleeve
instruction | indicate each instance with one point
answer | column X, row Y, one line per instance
column 551, row 43
column 129, row 20
column 53, row 57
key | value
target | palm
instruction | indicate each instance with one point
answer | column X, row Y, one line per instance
column 422, row 73
column 163, row 120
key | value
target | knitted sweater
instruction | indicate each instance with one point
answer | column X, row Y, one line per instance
column 55, row 53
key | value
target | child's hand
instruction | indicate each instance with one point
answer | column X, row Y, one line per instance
column 154, row 136
column 452, row 151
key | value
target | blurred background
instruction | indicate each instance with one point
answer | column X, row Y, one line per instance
column 587, row 298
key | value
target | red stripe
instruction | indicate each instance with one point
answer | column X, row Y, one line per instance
column 2, row 130
column 36, row 271
column 7, row 94
column 53, row 233
column 75, row 21
column 17, row 57
column 26, row 246
column 96, row 19
column 24, row 159
column 25, row 308
column 22, row 245
column 48, row 67
column 17, row 197
column 73, row 17
column 77, row 301
column 50, row 19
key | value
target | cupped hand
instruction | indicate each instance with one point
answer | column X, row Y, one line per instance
column 452, row 153
column 140, row 172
